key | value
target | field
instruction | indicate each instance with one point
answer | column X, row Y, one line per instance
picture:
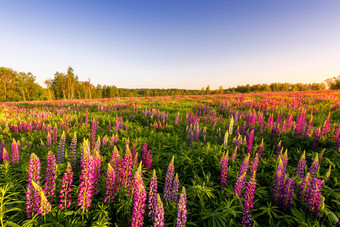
column 262, row 159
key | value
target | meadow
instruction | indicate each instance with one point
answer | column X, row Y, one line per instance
column 258, row 159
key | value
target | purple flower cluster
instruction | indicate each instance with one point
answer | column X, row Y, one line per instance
column 110, row 184
column 260, row 148
column 304, row 188
column 72, row 153
column 152, row 195
column 32, row 195
column 250, row 140
column 168, row 180
column 139, row 198
column 159, row 213
column 66, row 188
column 5, row 158
column 48, row 140
column 314, row 167
column 242, row 176
column 314, row 197
column 146, row 157
column 182, row 210
column 97, row 165
column 51, row 171
column 43, row 205
column 248, row 204
column 224, row 170
column 300, row 170
column 177, row 119
column 15, row 152
column 61, row 148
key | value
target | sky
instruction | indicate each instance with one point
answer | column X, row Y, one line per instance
column 173, row 43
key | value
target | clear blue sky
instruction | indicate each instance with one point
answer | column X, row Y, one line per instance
column 169, row 43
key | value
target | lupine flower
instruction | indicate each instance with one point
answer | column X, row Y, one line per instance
column 314, row 197
column 66, row 188
column 51, row 172
column 284, row 160
column 255, row 162
column 242, row 176
column 73, row 147
column 225, row 142
column 15, row 152
column 224, row 170
column 182, row 210
column 260, row 148
column 146, row 157
column 55, row 130
column 287, row 191
column 5, row 158
column 110, row 184
column 61, row 148
column 279, row 180
column 248, row 204
column 159, row 213
column 300, row 170
column 44, row 206
column 174, row 191
column 48, row 140
column 168, row 180
column 250, row 139
column 233, row 154
column 126, row 167
column 97, row 165
column 328, row 174
column 305, row 187
column 87, row 178
column 152, row 195
column 32, row 197
column 176, row 119
column 278, row 149
column 139, row 198
column 314, row 167
column 115, row 157
column 326, row 125
column 316, row 138
column 231, row 125
column 308, row 129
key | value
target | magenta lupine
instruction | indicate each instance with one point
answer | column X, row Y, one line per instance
column 126, row 167
column 97, row 165
column 66, row 188
column 174, row 190
column 5, row 158
column 304, row 188
column 314, row 167
column 182, row 209
column 300, row 170
column 326, row 125
column 250, row 140
column 255, row 162
column 224, row 169
column 61, row 148
column 159, row 213
column 176, row 119
column 308, row 129
column 32, row 196
column 168, row 180
column 110, row 184
column 314, row 198
column 115, row 158
column 139, row 198
column 242, row 176
column 72, row 152
column 48, row 140
column 114, row 139
column 55, row 130
column 146, row 157
column 43, row 206
column 51, row 171
column 15, row 152
column 87, row 178
column 152, row 195
column 248, row 203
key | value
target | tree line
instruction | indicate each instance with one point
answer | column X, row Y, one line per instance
column 20, row 86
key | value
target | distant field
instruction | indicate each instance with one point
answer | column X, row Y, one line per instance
column 262, row 159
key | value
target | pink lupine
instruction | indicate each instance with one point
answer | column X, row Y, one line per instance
column 66, row 188
column 43, row 206
column 110, row 184
column 115, row 157
column 49, row 188
column 87, row 178
column 139, row 198
column 48, row 140
column 32, row 197
column 146, row 157
column 15, row 152
column 255, row 162
column 5, row 158
column 224, row 170
column 97, row 165
column 174, row 190
column 182, row 210
column 159, row 213
column 168, row 180
column 152, row 195
column 250, row 140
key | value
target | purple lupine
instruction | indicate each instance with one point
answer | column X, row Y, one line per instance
column 87, row 178
column 250, row 140
column 260, row 148
column 32, row 197
column 5, row 158
column 287, row 191
column 308, row 129
column 72, row 152
column 168, row 180
column 174, row 190
column 182, row 209
column 304, row 188
column 300, row 170
column 93, row 133
column 110, row 184
column 97, row 164
column 314, row 167
column 48, row 140
column 242, row 176
column 146, row 157
column 248, row 204
column 159, row 213
column 326, row 125
column 51, row 171
column 61, row 148
column 278, row 180
column 66, row 188
column 314, row 198
column 284, row 160
column 176, row 119
column 152, row 195
column 224, row 169
column 255, row 162
column 15, row 152
column 43, row 206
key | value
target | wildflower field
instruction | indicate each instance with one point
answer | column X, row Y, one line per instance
column 262, row 159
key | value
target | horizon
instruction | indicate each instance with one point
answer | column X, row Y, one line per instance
column 173, row 45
